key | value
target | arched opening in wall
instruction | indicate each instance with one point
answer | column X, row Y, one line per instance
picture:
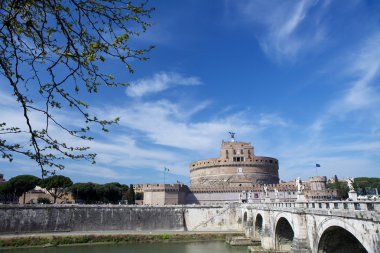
column 245, row 218
column 258, row 226
column 284, row 235
column 338, row 240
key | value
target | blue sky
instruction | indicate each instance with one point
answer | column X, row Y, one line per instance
column 297, row 79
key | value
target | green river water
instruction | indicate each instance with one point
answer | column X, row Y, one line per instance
column 192, row 247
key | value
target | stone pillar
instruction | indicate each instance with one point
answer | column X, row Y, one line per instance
column 353, row 195
column 267, row 233
column 267, row 200
column 300, row 197
column 300, row 241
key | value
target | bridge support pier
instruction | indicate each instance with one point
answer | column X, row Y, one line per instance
column 267, row 238
column 300, row 241
column 300, row 246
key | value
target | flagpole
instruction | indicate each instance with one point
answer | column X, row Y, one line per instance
column 164, row 175
column 316, row 168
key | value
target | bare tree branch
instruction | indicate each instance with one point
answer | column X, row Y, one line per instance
column 51, row 52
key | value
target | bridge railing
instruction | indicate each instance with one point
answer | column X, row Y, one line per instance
column 323, row 205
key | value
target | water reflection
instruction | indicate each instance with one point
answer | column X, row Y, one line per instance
column 193, row 247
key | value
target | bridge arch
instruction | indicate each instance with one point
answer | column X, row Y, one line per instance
column 259, row 221
column 245, row 217
column 284, row 233
column 335, row 235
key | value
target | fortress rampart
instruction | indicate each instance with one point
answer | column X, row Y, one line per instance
column 236, row 166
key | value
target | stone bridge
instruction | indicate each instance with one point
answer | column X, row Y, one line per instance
column 331, row 226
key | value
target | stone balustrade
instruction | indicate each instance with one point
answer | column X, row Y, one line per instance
column 321, row 206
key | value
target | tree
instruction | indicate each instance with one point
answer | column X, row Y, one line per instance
column 90, row 193
column 51, row 54
column 6, row 194
column 139, row 196
column 21, row 184
column 57, row 186
column 338, row 186
column 131, row 195
column 110, row 193
column 84, row 193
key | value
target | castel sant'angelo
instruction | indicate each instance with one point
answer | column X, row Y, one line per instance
column 236, row 166
column 236, row 175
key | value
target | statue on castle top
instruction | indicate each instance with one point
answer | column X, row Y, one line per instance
column 300, row 187
column 350, row 184
column 266, row 190
column 232, row 136
column 276, row 193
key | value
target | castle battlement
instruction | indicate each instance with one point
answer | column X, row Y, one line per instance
column 237, row 166
column 164, row 187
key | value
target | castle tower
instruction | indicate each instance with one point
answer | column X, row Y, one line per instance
column 237, row 165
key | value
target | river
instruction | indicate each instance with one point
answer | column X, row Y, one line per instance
column 188, row 247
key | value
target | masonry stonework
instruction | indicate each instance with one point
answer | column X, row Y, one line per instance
column 236, row 166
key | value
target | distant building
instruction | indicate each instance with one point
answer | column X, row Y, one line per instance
column 32, row 196
column 165, row 194
column 237, row 175
column 138, row 188
column 2, row 180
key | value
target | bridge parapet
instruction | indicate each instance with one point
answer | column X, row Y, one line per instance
column 322, row 205
column 302, row 227
column 354, row 209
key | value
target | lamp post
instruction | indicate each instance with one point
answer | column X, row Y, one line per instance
column 165, row 170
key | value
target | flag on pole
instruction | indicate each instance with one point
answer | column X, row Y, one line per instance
column 317, row 165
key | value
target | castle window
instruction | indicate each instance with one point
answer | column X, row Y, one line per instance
column 234, row 152
column 241, row 151
column 270, row 161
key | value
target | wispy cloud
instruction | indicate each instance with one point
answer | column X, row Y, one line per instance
column 361, row 94
column 267, row 120
column 280, row 25
column 363, row 68
column 163, row 123
column 159, row 82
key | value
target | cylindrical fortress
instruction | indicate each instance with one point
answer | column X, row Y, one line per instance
column 236, row 166
column 318, row 183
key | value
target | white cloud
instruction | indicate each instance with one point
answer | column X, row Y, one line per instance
column 163, row 123
column 267, row 120
column 278, row 25
column 364, row 68
column 361, row 96
column 159, row 82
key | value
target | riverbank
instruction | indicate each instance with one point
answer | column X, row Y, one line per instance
column 69, row 239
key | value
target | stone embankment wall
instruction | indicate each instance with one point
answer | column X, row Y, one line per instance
column 49, row 218
column 214, row 218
